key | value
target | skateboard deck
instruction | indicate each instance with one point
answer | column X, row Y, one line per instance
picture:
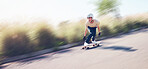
column 91, row 45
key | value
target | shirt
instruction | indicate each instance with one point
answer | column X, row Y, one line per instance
column 94, row 24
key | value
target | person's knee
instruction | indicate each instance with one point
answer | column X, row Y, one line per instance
column 93, row 34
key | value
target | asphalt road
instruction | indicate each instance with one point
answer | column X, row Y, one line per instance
column 129, row 51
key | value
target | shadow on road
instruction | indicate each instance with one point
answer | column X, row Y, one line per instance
column 123, row 48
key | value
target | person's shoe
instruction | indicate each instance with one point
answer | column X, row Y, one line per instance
column 86, row 44
column 94, row 42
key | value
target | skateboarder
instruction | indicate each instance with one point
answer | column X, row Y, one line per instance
column 91, row 26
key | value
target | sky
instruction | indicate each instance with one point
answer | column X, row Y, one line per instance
column 61, row 10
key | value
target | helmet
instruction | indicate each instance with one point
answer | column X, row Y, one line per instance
column 90, row 15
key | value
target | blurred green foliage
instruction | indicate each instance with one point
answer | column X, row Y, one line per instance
column 106, row 6
column 20, row 39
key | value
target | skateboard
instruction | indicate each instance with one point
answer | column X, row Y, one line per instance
column 91, row 45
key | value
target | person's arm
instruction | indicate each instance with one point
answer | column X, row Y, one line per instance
column 85, row 31
column 98, row 27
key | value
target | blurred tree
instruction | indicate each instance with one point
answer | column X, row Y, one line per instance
column 107, row 6
column 63, row 28
column 63, row 23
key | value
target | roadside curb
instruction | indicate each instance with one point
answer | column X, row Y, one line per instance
column 11, row 59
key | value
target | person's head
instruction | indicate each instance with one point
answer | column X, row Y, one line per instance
column 90, row 16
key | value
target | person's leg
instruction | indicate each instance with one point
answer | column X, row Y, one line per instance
column 92, row 31
column 93, row 34
column 89, row 37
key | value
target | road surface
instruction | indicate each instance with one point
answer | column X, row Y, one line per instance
column 129, row 51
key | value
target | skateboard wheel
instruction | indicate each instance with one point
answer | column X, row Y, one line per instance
column 84, row 47
column 93, row 45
